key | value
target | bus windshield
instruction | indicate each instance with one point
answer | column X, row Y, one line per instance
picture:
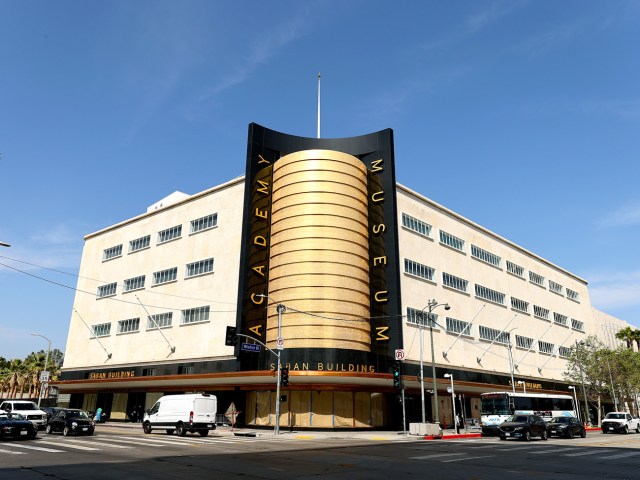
column 495, row 404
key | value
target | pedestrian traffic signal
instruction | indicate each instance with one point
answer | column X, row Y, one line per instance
column 284, row 376
column 397, row 375
column 231, row 338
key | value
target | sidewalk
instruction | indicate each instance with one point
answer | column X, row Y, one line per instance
column 381, row 435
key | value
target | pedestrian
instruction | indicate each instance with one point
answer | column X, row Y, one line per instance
column 140, row 413
column 98, row 415
column 133, row 415
column 457, row 423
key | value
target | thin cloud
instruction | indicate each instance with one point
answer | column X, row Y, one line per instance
column 544, row 42
column 625, row 216
column 615, row 290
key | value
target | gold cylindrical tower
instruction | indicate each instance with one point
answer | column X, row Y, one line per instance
column 319, row 260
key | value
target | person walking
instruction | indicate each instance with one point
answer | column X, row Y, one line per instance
column 98, row 415
column 458, row 424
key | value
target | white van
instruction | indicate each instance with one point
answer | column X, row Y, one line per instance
column 182, row 414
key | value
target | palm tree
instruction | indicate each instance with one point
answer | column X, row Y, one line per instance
column 16, row 371
column 635, row 336
column 626, row 334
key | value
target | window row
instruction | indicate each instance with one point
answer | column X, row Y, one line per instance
column 154, row 322
column 163, row 236
column 194, row 269
column 486, row 256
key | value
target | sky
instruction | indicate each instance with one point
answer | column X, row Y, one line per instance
column 522, row 116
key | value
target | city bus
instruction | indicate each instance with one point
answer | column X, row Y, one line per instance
column 495, row 407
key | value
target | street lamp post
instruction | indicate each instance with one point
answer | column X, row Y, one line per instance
column 431, row 305
column 453, row 398
column 46, row 365
column 575, row 401
column 524, row 385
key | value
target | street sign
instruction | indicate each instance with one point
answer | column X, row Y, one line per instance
column 250, row 347
column 400, row 354
column 44, row 376
column 279, row 343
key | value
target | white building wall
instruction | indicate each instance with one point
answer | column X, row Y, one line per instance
column 468, row 307
column 219, row 289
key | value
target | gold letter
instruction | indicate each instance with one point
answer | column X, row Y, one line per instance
column 256, row 330
column 381, row 336
column 382, row 260
column 378, row 197
column 265, row 187
column 379, row 228
column 260, row 241
column 258, row 270
column 262, row 160
column 375, row 166
column 262, row 213
column 253, row 299
column 383, row 299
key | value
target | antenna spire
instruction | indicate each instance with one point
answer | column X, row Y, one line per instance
column 318, row 104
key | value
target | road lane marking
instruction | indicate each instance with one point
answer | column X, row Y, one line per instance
column 620, row 455
column 10, row 452
column 93, row 442
column 59, row 444
column 435, row 455
column 138, row 442
column 558, row 450
column 41, row 449
column 466, row 458
column 588, row 452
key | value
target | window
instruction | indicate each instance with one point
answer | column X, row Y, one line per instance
column 185, row 370
column 491, row 334
column 519, row 305
column 515, row 269
column 458, row 326
column 560, row 319
column 451, row 240
column 160, row 320
column 112, row 252
column 416, row 317
column 535, row 278
column 416, row 225
column 485, row 256
column 170, row 234
column 139, row 243
column 555, row 287
column 488, row 294
column 577, row 325
column 148, row 372
column 135, row 283
column 541, row 312
column 573, row 295
column 524, row 342
column 564, row 352
column 545, row 347
column 165, row 276
column 194, row 315
column 204, row 223
column 199, row 268
column 101, row 330
column 418, row 270
column 454, row 282
column 107, row 290
column 129, row 325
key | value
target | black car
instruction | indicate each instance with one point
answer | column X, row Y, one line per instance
column 566, row 427
column 71, row 421
column 523, row 427
column 15, row 425
column 51, row 411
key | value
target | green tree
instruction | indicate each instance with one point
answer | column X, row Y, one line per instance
column 626, row 334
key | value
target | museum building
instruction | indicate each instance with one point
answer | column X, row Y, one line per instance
column 317, row 250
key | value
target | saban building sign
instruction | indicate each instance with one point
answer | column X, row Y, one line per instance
column 320, row 237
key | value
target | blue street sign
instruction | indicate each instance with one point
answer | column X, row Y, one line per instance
column 250, row 347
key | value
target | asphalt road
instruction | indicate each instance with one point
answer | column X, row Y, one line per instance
column 129, row 454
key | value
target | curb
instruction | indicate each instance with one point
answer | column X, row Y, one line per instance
column 453, row 436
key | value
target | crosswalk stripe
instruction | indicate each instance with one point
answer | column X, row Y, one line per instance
column 621, row 455
column 466, row 458
column 41, row 449
column 588, row 452
column 11, row 452
column 435, row 455
column 93, row 442
column 60, row 444
column 554, row 450
column 138, row 442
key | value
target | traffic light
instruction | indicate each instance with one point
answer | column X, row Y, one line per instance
column 397, row 375
column 284, row 376
column 231, row 338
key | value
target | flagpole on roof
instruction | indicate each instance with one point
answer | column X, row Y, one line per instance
column 318, row 104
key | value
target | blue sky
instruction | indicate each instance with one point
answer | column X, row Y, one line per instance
column 522, row 116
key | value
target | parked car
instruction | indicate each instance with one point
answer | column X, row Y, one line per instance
column 523, row 427
column 566, row 427
column 71, row 421
column 24, row 407
column 51, row 411
column 15, row 425
column 620, row 422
